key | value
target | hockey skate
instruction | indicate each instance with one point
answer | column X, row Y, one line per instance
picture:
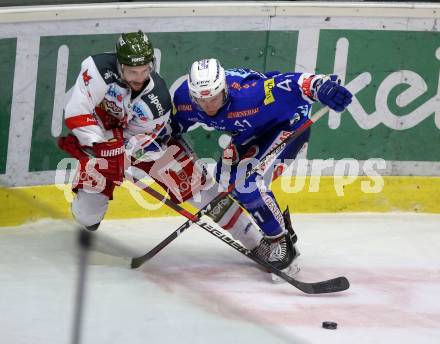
column 280, row 252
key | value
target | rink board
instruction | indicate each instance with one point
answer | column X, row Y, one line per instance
column 403, row 194
column 388, row 55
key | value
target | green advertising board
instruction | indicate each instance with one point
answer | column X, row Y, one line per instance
column 404, row 67
column 7, row 66
column 394, row 76
column 259, row 50
column 388, row 56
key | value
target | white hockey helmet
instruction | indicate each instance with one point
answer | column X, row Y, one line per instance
column 206, row 79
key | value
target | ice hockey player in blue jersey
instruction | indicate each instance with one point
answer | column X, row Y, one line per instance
column 257, row 110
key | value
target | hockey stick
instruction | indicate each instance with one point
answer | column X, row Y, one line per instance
column 330, row 286
column 138, row 261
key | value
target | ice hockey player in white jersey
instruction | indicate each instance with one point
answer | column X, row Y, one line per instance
column 118, row 116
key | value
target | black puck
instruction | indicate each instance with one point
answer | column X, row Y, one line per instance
column 329, row 325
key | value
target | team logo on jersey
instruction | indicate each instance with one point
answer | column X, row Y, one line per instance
column 269, row 84
column 111, row 107
column 244, row 113
column 86, row 77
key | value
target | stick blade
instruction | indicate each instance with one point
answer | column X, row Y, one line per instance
column 137, row 262
column 330, row 286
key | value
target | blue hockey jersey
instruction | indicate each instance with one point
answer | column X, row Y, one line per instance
column 256, row 103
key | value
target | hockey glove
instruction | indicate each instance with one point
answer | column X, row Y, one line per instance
column 71, row 146
column 111, row 151
column 335, row 96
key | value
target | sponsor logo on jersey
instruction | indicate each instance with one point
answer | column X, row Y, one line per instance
column 86, row 77
column 112, row 152
column 273, row 207
column 155, row 100
column 243, row 113
column 110, row 74
column 237, row 86
column 184, row 107
column 245, row 86
column 269, row 84
column 113, row 92
column 140, row 112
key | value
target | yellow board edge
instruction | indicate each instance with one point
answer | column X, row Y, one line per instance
column 303, row 195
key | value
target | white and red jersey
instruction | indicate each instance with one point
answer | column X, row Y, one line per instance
column 101, row 97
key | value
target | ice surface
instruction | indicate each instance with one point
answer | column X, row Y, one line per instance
column 198, row 290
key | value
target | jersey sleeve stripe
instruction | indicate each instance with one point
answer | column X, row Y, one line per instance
column 80, row 121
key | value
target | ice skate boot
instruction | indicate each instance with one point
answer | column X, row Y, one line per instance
column 280, row 252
